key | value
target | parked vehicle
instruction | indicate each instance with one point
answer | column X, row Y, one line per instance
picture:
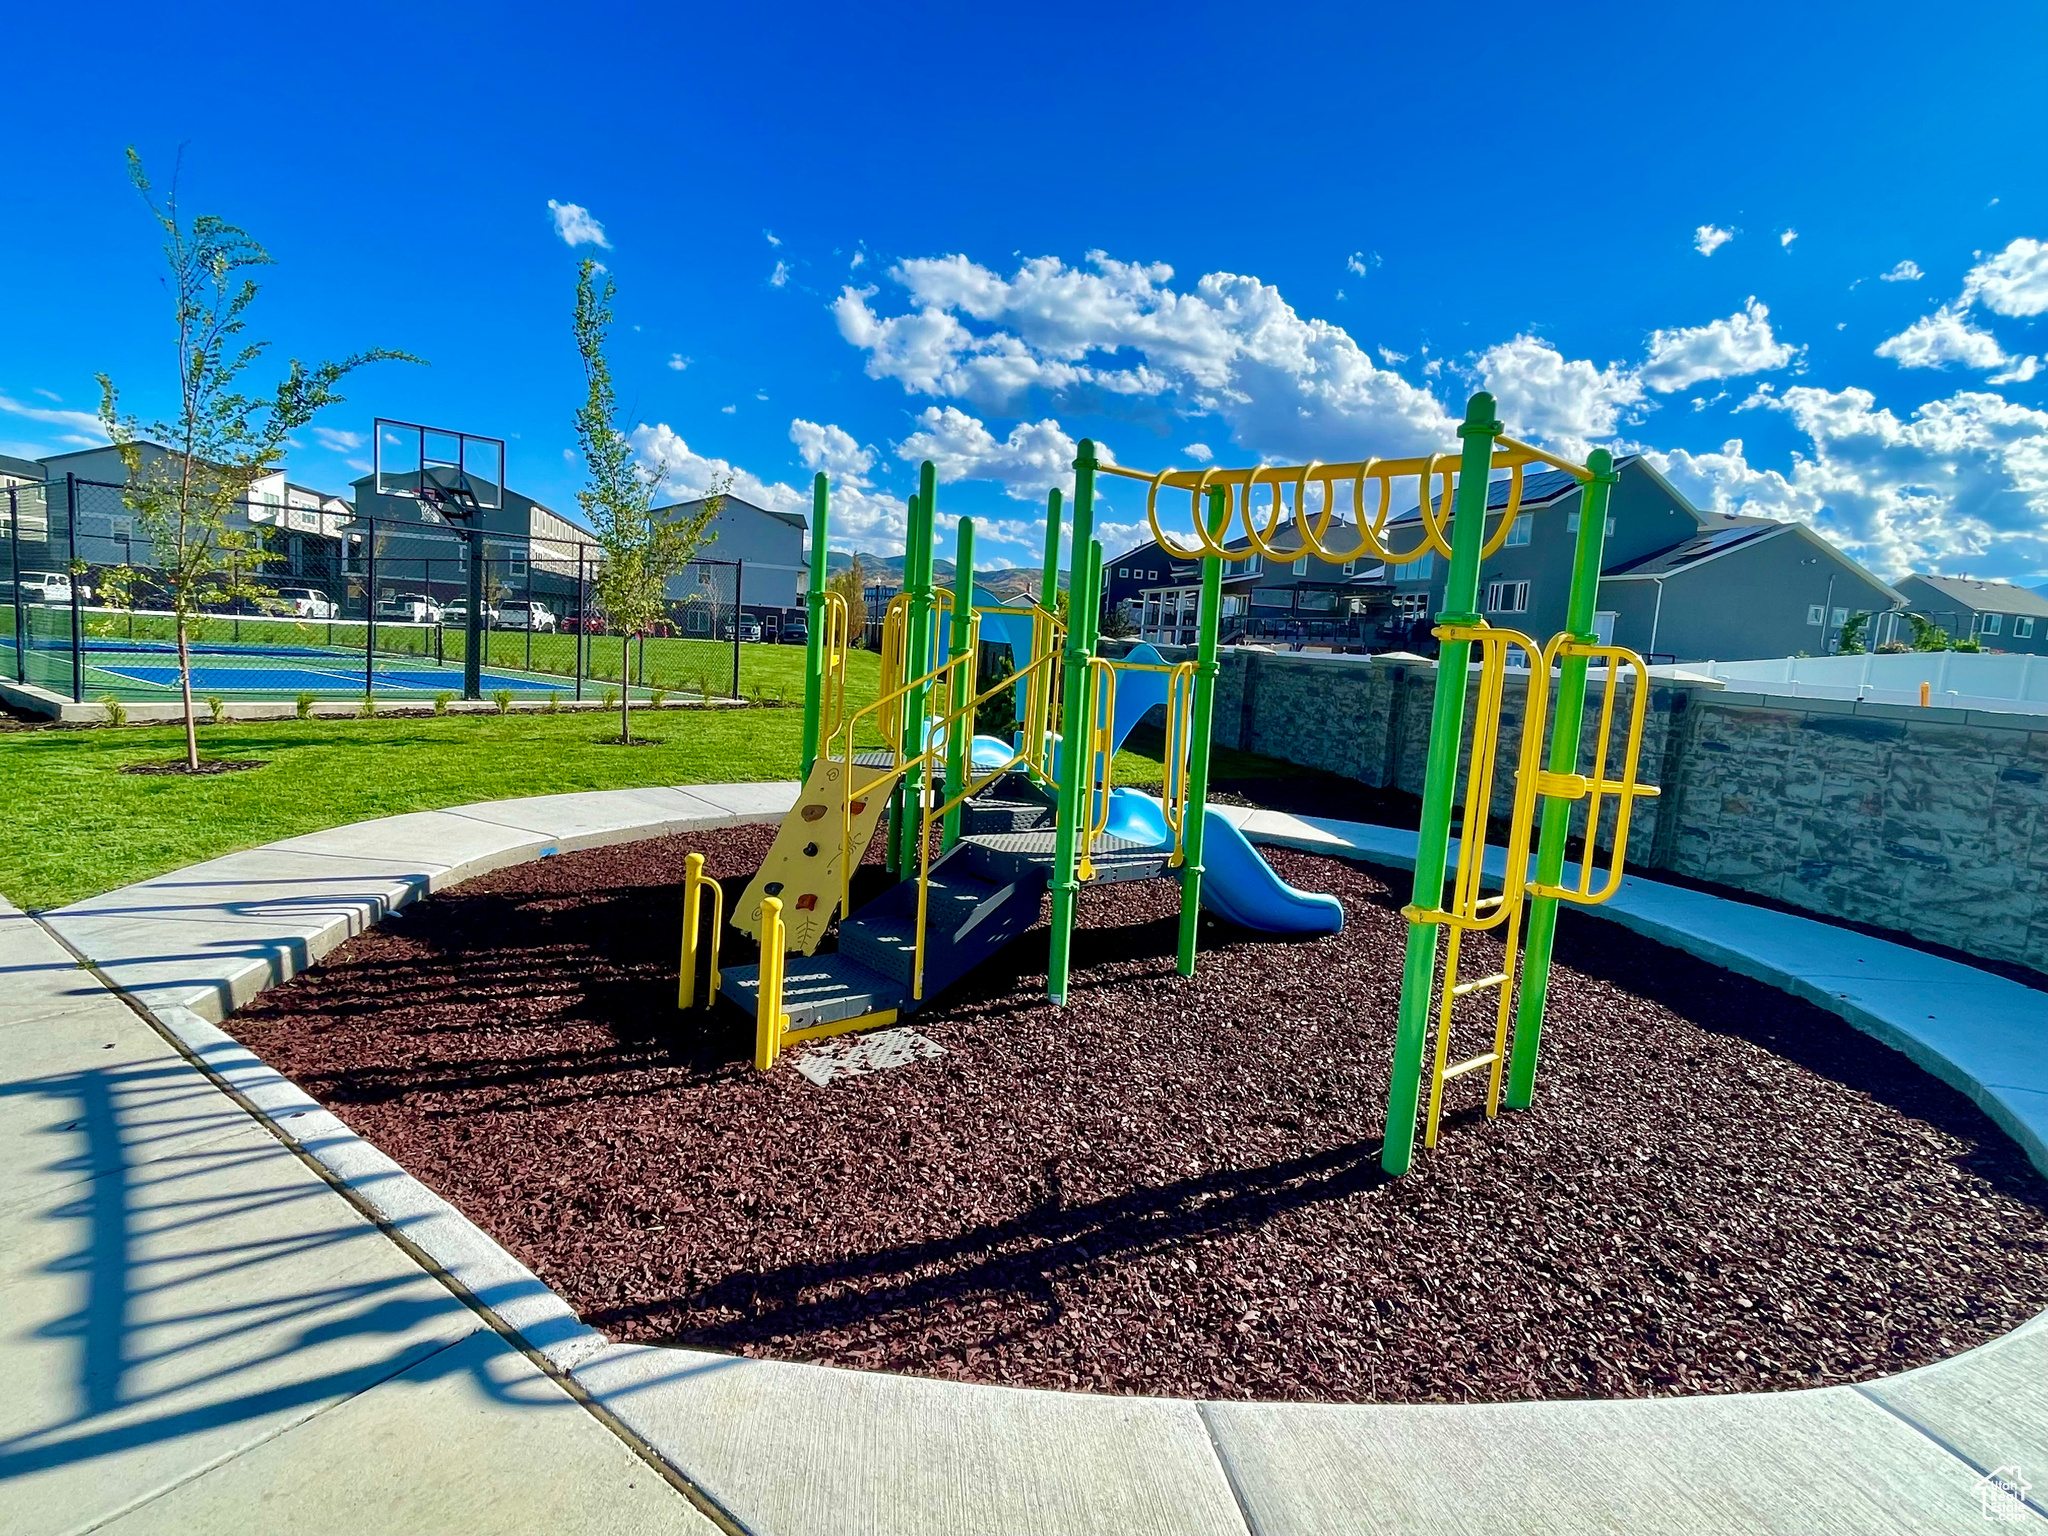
column 795, row 632
column 582, row 624
column 750, row 631
column 455, row 615
column 45, row 587
column 306, row 603
column 410, row 608
column 533, row 616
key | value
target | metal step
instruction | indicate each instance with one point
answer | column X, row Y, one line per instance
column 1001, row 856
column 883, row 934
column 818, row 989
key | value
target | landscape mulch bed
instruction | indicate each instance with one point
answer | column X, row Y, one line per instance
column 1172, row 1186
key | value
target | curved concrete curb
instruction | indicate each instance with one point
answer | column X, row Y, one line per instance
column 775, row 1446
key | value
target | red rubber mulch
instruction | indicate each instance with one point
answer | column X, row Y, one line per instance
column 1172, row 1186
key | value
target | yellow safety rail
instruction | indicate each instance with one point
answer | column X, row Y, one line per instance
column 694, row 886
column 1598, row 788
column 1097, row 769
column 1435, row 475
column 1468, row 910
column 835, row 642
column 770, row 1022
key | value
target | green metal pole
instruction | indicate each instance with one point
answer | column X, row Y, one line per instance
column 961, row 730
column 1204, row 702
column 917, row 575
column 1049, row 581
column 1074, row 715
column 814, row 641
column 1446, row 730
column 1564, row 755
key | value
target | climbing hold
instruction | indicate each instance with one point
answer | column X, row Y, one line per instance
column 772, row 888
column 808, row 902
column 814, row 812
column 810, row 850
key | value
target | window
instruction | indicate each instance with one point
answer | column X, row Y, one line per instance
column 1122, row 572
column 1151, row 575
column 1350, row 567
column 1301, row 566
column 2023, row 628
column 1507, row 597
column 703, row 575
column 1815, row 614
column 1519, row 534
column 1993, row 622
column 517, row 563
column 1255, row 566
column 1571, row 524
column 1421, row 569
column 1839, row 616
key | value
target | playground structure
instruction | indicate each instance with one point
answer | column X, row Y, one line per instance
column 1012, row 817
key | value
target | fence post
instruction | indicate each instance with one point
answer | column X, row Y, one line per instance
column 14, row 574
column 370, row 610
column 76, row 578
column 473, row 626
column 739, row 617
column 582, row 617
column 529, row 605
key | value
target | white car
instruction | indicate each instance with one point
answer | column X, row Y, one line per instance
column 306, row 603
column 534, row 616
column 410, row 608
column 45, row 587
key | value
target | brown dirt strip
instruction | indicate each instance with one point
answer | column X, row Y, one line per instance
column 1172, row 1186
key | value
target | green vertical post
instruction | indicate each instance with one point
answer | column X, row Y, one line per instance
column 1049, row 582
column 920, row 648
column 1074, row 713
column 960, row 732
column 1555, row 827
column 814, row 642
column 1204, row 708
column 1446, row 731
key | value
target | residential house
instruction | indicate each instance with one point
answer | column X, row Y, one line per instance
column 773, row 575
column 15, row 472
column 1296, row 595
column 531, row 553
column 1676, row 583
column 2001, row 616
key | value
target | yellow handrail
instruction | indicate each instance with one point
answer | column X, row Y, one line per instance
column 770, row 1021
column 1596, row 787
column 834, row 644
column 694, row 886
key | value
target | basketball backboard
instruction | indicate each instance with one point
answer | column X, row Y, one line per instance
column 457, row 473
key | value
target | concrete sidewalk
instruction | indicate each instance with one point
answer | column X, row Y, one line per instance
column 227, row 1312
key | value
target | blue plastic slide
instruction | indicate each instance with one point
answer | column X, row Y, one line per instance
column 1237, row 883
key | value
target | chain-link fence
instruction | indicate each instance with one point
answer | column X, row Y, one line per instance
column 332, row 606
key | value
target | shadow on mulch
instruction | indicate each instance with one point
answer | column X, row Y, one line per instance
column 1172, row 1184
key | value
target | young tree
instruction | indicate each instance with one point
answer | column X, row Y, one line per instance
column 640, row 550
column 221, row 441
column 1927, row 635
column 851, row 586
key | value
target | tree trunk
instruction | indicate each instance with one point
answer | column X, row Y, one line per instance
column 625, row 688
column 185, row 684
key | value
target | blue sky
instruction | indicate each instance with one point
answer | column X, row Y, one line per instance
column 1797, row 254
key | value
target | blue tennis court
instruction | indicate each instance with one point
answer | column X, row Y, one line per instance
column 300, row 679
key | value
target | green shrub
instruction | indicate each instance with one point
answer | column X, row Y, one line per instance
column 1968, row 644
column 704, row 685
column 217, row 707
column 117, row 712
column 503, row 699
column 611, row 698
column 367, row 710
column 658, row 698
column 441, row 702
column 305, row 706
column 554, row 703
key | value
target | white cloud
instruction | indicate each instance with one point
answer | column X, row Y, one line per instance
column 1199, row 452
column 1355, row 262
column 2014, row 282
column 1787, row 237
column 576, row 227
column 1904, row 272
column 677, row 361
column 334, row 440
column 860, row 255
column 1390, row 357
column 1116, row 330
column 860, row 519
column 1709, row 238
column 769, row 236
column 1946, row 336
column 1035, row 457
column 728, row 410
column 1964, row 481
column 780, row 276
column 832, row 449
column 49, row 394
column 1720, row 349
column 1567, row 404
column 82, row 429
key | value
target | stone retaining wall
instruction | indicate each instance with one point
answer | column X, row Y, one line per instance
column 1932, row 822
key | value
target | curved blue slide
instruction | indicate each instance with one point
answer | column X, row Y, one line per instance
column 1237, row 882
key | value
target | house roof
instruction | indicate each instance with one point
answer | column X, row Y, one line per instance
column 1986, row 596
column 1545, row 485
column 25, row 469
column 1732, row 533
column 789, row 518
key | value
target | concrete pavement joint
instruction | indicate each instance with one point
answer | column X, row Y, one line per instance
column 558, row 1374
column 1859, row 1388
column 1229, row 1471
